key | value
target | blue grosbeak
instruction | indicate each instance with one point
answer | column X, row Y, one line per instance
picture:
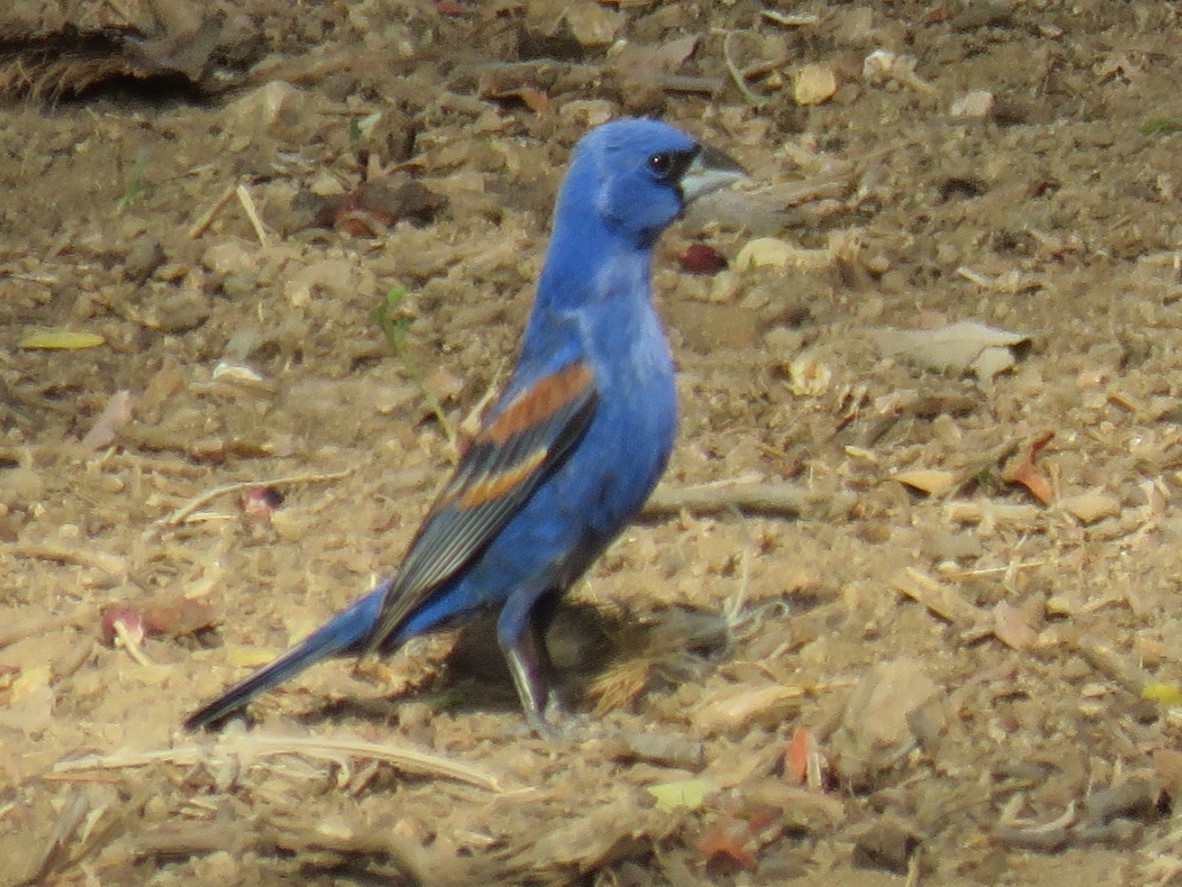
column 574, row 445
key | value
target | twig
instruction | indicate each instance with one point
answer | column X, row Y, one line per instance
column 30, row 627
column 755, row 100
column 946, row 602
column 252, row 213
column 179, row 515
column 129, row 643
column 779, row 499
column 109, row 564
column 202, row 224
column 344, row 836
column 253, row 745
column 689, row 83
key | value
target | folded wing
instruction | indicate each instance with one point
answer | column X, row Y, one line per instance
column 522, row 443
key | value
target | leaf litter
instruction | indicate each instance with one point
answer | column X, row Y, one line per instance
column 787, row 516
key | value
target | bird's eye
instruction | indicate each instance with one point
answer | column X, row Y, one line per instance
column 662, row 164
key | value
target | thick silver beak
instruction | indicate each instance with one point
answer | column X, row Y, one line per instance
column 710, row 170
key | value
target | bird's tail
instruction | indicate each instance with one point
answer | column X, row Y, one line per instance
column 345, row 633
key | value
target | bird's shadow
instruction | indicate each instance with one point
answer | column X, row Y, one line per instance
column 585, row 642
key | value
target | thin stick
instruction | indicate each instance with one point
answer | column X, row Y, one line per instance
column 781, row 499
column 252, row 213
column 753, row 98
column 179, row 515
column 30, row 627
column 251, row 746
column 202, row 224
column 129, row 643
column 45, row 551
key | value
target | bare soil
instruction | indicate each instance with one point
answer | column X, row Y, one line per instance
column 940, row 646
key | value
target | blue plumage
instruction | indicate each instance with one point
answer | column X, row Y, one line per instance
column 574, row 445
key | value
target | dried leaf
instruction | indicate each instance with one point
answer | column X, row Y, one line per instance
column 933, row 481
column 115, row 414
column 178, row 617
column 964, row 346
column 739, row 708
column 943, row 600
column 1011, row 627
column 685, row 793
column 650, row 61
column 878, row 713
column 66, row 340
column 1021, row 470
column 770, row 252
column 727, row 841
column 1092, row 506
column 804, row 762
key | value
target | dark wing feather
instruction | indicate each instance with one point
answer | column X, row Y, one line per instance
column 524, row 441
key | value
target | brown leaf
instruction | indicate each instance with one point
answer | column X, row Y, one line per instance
column 726, row 844
column 1020, row 469
column 178, row 617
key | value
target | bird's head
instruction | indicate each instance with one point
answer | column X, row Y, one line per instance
column 638, row 175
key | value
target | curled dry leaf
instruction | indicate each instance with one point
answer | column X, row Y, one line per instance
column 372, row 208
column 946, row 601
column 730, row 843
column 965, row 346
column 1021, row 470
column 804, row 761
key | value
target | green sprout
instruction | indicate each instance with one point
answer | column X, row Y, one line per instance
column 135, row 182
column 395, row 326
column 986, row 479
column 1161, row 126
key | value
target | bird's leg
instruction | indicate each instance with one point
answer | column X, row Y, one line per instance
column 529, row 663
column 520, row 635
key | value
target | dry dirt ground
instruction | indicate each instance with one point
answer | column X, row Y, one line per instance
column 898, row 620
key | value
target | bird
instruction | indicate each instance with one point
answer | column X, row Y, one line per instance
column 569, row 452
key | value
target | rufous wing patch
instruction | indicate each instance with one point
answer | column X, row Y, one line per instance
column 539, row 403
